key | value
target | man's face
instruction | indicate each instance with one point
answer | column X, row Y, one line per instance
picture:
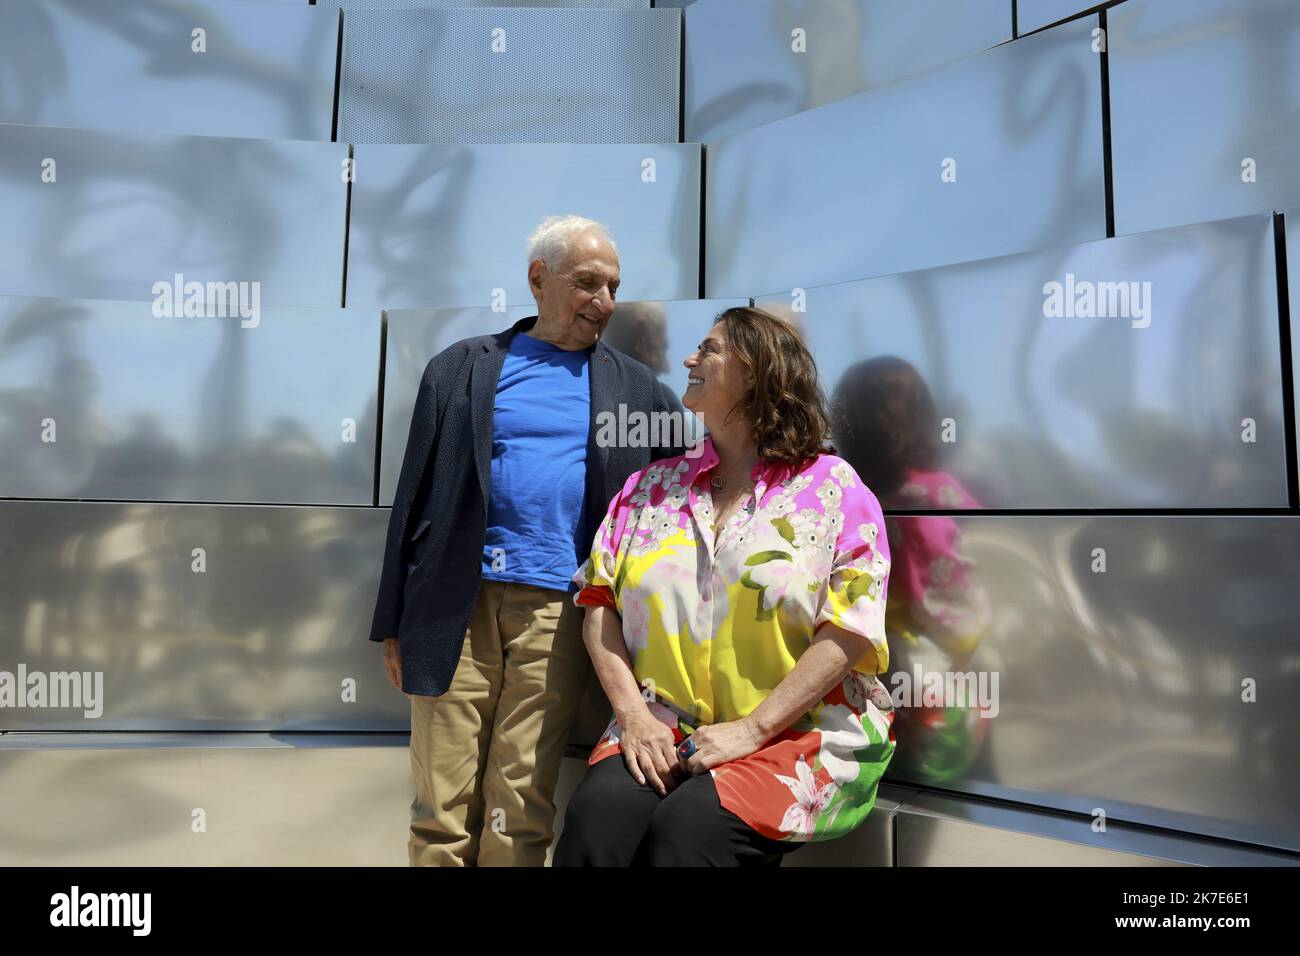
column 575, row 301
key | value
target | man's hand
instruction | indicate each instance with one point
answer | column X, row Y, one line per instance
column 649, row 753
column 393, row 662
column 718, row 743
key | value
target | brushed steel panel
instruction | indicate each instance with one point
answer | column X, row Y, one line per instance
column 743, row 68
column 266, row 801
column 659, row 334
column 128, row 210
column 510, row 75
column 856, row 188
column 263, row 70
column 1123, row 689
column 262, row 639
column 438, row 226
column 1066, row 412
column 1197, row 88
column 187, row 408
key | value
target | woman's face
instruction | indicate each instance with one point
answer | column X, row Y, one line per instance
column 718, row 379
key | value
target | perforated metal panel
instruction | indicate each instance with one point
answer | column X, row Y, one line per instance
column 510, row 76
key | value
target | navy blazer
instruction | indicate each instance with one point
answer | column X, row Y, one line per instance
column 432, row 567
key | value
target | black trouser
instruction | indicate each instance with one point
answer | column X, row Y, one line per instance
column 612, row 820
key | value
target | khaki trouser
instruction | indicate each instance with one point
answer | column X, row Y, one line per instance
column 486, row 754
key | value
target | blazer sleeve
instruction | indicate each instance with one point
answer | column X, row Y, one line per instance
column 420, row 443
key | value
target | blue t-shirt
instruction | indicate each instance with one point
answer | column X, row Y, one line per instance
column 539, row 464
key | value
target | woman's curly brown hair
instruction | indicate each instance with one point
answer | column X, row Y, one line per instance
column 786, row 407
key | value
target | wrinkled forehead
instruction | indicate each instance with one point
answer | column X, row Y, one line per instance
column 591, row 252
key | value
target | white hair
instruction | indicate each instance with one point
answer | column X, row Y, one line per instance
column 550, row 240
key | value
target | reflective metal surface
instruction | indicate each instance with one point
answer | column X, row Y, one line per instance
column 1144, row 666
column 745, row 65
column 856, row 188
column 265, row 801
column 935, row 829
column 124, row 211
column 186, row 408
column 256, row 70
column 1204, row 95
column 430, row 4
column 1024, row 410
column 440, row 226
column 658, row 334
column 1036, row 14
column 510, row 75
column 263, row 629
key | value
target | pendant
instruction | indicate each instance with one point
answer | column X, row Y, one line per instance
column 717, row 481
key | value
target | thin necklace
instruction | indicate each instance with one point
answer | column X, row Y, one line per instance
column 718, row 481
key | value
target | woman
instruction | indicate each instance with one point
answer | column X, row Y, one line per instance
column 735, row 615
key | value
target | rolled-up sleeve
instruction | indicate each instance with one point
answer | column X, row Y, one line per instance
column 859, row 580
column 597, row 578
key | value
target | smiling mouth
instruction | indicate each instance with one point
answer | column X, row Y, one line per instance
column 695, row 381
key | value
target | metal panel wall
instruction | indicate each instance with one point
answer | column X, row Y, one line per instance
column 441, row 226
column 186, row 408
column 510, row 75
column 1140, row 401
column 659, row 334
column 94, row 215
column 941, row 830
column 1143, row 665
column 1203, row 99
column 857, row 188
column 260, row 630
column 256, row 70
column 432, row 4
column 1035, row 14
column 745, row 65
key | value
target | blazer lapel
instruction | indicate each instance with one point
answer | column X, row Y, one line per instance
column 604, row 391
column 483, row 379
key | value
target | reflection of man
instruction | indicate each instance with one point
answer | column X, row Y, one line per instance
column 501, row 485
column 640, row 330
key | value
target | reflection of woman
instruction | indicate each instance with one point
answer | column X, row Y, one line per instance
column 745, row 588
column 887, row 428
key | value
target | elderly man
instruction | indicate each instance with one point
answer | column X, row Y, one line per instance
column 502, row 486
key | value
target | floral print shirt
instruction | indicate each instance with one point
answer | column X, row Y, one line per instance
column 715, row 618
